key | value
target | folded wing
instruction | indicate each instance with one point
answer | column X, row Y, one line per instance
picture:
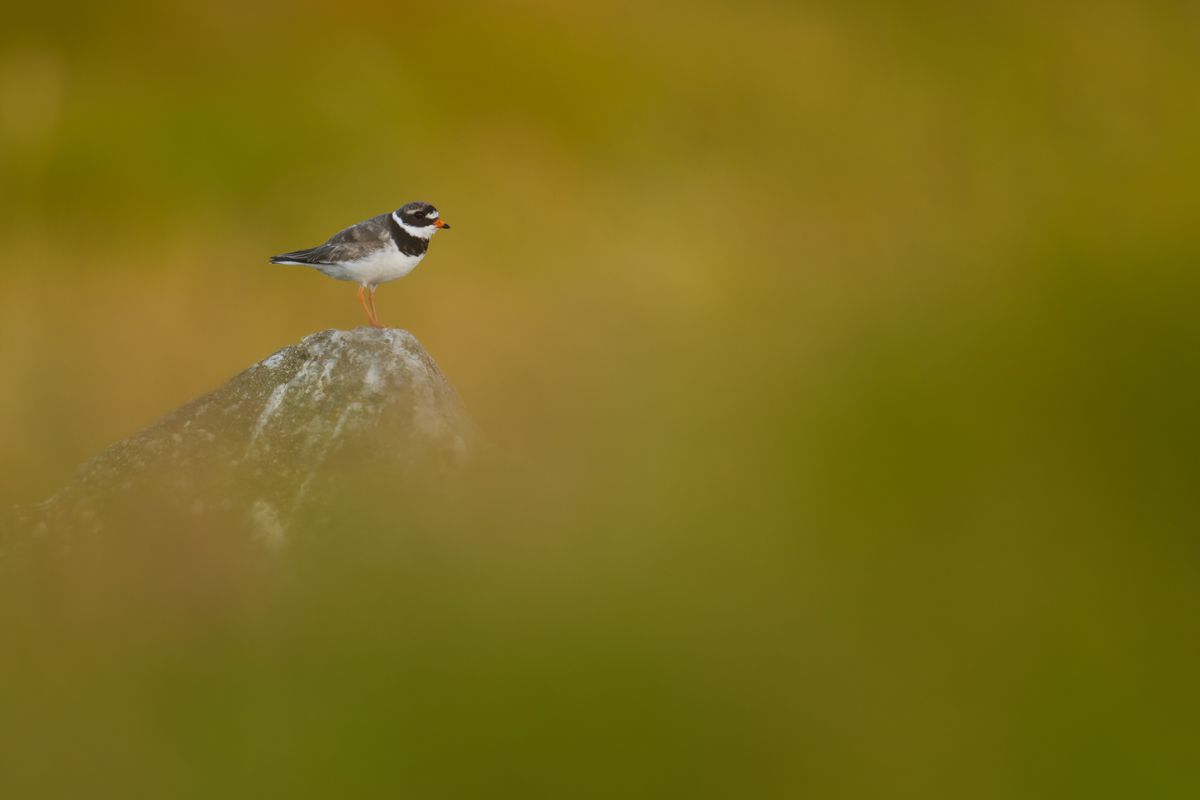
column 356, row 242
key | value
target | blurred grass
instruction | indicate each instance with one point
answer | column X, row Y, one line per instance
column 837, row 361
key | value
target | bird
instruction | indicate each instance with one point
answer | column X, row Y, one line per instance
column 380, row 249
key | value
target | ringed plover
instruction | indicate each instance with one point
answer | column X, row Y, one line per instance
column 378, row 250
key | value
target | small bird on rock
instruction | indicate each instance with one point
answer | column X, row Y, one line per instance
column 375, row 251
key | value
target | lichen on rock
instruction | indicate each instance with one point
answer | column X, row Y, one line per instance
column 274, row 440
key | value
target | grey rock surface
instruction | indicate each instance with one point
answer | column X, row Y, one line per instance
column 268, row 444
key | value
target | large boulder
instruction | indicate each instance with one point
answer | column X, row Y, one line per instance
column 275, row 440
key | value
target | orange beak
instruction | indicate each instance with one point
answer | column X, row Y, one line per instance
column 439, row 223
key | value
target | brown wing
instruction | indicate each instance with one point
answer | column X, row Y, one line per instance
column 357, row 241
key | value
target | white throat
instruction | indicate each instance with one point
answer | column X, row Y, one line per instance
column 426, row 232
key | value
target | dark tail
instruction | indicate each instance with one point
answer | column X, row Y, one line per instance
column 297, row 257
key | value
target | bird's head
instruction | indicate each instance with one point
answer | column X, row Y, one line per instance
column 420, row 219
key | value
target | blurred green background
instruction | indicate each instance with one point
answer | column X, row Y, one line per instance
column 837, row 360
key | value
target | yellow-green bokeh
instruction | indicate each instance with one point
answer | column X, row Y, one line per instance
column 837, row 363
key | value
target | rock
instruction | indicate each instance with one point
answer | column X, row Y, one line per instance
column 274, row 440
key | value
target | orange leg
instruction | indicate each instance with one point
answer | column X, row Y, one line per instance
column 362, row 301
column 374, row 313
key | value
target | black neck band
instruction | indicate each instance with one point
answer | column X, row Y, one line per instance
column 409, row 245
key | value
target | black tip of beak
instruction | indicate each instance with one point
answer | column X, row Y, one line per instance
column 445, row 226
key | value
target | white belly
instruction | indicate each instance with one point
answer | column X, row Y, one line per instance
column 381, row 267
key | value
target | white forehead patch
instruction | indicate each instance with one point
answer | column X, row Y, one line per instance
column 432, row 214
column 425, row 232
